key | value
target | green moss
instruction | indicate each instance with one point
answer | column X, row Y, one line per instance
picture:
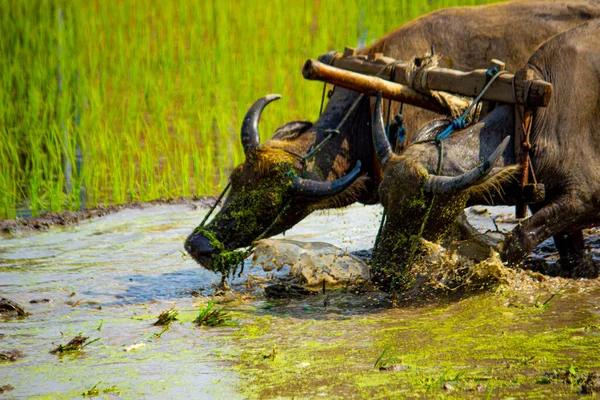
column 411, row 217
column 212, row 239
column 250, row 209
column 227, row 262
column 399, row 242
column 478, row 345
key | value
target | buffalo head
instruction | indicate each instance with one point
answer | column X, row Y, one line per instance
column 270, row 192
column 418, row 203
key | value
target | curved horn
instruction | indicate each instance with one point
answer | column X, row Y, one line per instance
column 451, row 184
column 250, row 136
column 380, row 140
column 316, row 189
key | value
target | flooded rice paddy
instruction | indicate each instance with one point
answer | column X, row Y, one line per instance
column 109, row 278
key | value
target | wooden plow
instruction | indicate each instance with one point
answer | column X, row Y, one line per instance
column 419, row 86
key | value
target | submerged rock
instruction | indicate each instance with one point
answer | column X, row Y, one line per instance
column 6, row 388
column 12, row 355
column 311, row 263
column 10, row 307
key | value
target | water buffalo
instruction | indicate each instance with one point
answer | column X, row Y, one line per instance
column 466, row 38
column 565, row 154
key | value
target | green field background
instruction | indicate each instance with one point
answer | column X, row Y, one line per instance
column 142, row 100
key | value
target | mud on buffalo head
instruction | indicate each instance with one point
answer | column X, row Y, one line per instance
column 270, row 182
column 418, row 203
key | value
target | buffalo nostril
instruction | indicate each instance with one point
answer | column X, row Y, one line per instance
column 198, row 244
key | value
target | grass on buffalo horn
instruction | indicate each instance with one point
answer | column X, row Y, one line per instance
column 210, row 317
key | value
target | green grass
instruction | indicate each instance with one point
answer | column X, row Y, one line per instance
column 209, row 317
column 153, row 92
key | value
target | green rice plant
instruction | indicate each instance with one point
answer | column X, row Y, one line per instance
column 96, row 391
column 152, row 93
column 167, row 317
column 75, row 344
column 209, row 317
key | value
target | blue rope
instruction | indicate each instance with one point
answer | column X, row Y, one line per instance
column 401, row 135
column 400, row 131
column 460, row 123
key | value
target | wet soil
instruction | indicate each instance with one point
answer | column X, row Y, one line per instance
column 49, row 219
column 110, row 278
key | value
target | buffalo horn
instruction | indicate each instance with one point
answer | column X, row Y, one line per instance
column 250, row 136
column 451, row 184
column 380, row 140
column 317, row 189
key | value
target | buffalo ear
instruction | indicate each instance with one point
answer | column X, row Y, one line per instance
column 292, row 130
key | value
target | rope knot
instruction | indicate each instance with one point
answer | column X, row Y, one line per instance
column 490, row 72
column 526, row 146
column 459, row 123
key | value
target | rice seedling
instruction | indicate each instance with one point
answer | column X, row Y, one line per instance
column 210, row 317
column 167, row 317
column 75, row 344
column 386, row 361
column 95, row 391
column 104, row 103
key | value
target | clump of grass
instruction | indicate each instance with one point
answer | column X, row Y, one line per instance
column 210, row 317
column 95, row 391
column 75, row 344
column 167, row 317
column 272, row 355
column 386, row 360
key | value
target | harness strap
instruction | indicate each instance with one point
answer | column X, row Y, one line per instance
column 460, row 122
column 522, row 140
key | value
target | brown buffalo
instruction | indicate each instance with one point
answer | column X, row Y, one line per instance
column 565, row 155
column 270, row 178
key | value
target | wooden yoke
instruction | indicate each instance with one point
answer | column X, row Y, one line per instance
column 370, row 85
column 420, row 86
column 534, row 93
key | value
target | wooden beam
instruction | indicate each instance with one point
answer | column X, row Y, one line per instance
column 370, row 85
column 532, row 93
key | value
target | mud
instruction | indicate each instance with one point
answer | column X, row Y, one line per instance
column 6, row 388
column 12, row 355
column 9, row 307
column 65, row 218
column 109, row 278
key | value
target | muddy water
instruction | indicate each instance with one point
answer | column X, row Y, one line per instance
column 110, row 277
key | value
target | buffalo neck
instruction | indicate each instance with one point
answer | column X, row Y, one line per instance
column 352, row 144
